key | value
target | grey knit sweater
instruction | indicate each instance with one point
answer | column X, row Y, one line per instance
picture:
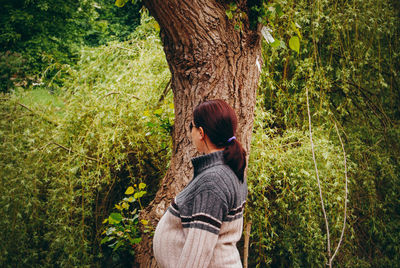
column 203, row 223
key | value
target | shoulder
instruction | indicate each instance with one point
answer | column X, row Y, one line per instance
column 219, row 183
column 216, row 177
column 223, row 181
column 209, row 182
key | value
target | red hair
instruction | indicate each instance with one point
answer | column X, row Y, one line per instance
column 219, row 123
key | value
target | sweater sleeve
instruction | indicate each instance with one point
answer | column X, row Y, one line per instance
column 203, row 226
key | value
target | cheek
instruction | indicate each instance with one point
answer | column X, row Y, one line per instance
column 192, row 135
column 195, row 140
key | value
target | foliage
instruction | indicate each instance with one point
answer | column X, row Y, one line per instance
column 270, row 15
column 12, row 70
column 112, row 23
column 52, row 32
column 346, row 60
column 23, row 192
column 44, row 31
column 123, row 231
column 284, row 204
column 67, row 161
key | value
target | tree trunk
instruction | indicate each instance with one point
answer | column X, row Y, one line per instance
column 208, row 59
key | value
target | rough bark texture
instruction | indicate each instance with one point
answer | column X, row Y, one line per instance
column 208, row 59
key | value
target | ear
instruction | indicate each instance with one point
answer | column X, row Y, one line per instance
column 201, row 131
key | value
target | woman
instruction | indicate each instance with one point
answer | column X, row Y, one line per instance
column 204, row 221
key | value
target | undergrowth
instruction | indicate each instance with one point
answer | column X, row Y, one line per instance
column 69, row 154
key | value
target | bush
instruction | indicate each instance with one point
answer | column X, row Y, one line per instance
column 347, row 67
column 284, row 203
column 73, row 157
column 12, row 71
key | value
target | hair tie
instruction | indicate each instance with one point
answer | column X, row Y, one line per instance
column 231, row 139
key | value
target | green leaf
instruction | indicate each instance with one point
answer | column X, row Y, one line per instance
column 294, row 43
column 278, row 10
column 140, row 194
column 130, row 190
column 296, row 29
column 125, row 205
column 120, row 3
column 136, row 240
column 229, row 14
column 232, row 6
column 130, row 199
column 158, row 111
column 276, row 43
column 120, row 243
column 116, row 217
column 142, row 185
column 105, row 239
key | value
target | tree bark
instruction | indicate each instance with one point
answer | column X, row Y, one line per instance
column 208, row 59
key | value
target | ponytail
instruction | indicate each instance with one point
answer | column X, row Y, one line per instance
column 235, row 158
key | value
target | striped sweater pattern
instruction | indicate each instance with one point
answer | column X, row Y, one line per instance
column 203, row 223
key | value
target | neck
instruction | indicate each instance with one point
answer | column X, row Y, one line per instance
column 214, row 150
column 210, row 147
column 203, row 162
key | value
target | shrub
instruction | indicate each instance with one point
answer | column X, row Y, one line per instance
column 284, row 204
column 347, row 67
column 73, row 157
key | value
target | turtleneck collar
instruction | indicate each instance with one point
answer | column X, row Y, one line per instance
column 203, row 162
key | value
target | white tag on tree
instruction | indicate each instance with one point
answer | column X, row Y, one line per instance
column 258, row 64
column 266, row 32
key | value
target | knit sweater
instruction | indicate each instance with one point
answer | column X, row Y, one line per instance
column 203, row 223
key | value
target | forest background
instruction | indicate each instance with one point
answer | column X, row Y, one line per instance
column 87, row 110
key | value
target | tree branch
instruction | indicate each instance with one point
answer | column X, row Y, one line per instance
column 165, row 91
column 26, row 107
column 71, row 151
column 379, row 108
column 29, row 109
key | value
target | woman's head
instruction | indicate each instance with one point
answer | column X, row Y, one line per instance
column 217, row 120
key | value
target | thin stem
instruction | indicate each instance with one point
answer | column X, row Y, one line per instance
column 319, row 184
column 125, row 48
column 140, row 204
column 345, row 198
column 35, row 113
column 113, row 93
column 71, row 151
